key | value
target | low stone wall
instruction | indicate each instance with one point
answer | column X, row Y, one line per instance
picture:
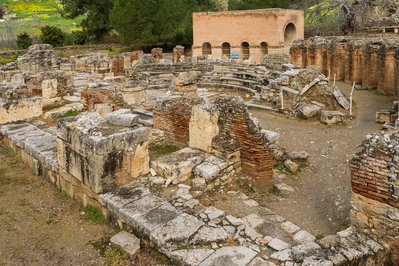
column 371, row 62
column 20, row 110
column 375, row 200
column 222, row 126
column 100, row 154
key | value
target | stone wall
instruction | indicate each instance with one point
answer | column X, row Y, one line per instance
column 370, row 62
column 375, row 186
column 20, row 110
column 101, row 154
column 173, row 116
column 222, row 126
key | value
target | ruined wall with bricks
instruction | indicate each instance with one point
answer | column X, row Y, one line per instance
column 173, row 117
column 269, row 26
column 375, row 186
column 236, row 131
column 370, row 62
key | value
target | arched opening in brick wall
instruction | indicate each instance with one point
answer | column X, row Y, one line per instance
column 264, row 48
column 206, row 49
column 290, row 33
column 245, row 50
column 226, row 49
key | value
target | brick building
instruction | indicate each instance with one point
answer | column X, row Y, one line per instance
column 248, row 34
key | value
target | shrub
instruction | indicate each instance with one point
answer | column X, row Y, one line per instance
column 52, row 35
column 79, row 37
column 24, row 40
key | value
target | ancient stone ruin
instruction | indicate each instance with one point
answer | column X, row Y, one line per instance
column 146, row 137
column 371, row 63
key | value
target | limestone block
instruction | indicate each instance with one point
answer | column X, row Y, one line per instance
column 133, row 95
column 123, row 118
column 178, row 166
column 99, row 155
column 49, row 88
column 140, row 164
column 127, row 242
column 20, row 110
column 203, row 128
column 271, row 136
column 103, row 109
column 309, row 110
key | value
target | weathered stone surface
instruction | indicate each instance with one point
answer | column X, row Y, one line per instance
column 191, row 256
column 215, row 215
column 314, row 261
column 49, row 88
column 329, row 241
column 176, row 231
column 261, row 262
column 103, row 109
column 210, row 234
column 20, row 110
column 234, row 220
column 210, row 168
column 178, row 166
column 284, row 255
column 203, row 127
column 278, row 244
column 284, row 188
column 309, row 110
column 250, row 232
column 290, row 227
column 63, row 110
column 253, row 220
column 198, row 183
column 304, row 250
column 299, row 155
column 304, row 236
column 126, row 242
column 122, row 118
column 230, row 256
column 271, row 136
column 291, row 166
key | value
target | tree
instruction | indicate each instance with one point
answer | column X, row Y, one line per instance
column 258, row 4
column 155, row 22
column 24, row 40
column 96, row 23
column 52, row 35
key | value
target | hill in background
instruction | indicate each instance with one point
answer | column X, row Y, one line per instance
column 30, row 17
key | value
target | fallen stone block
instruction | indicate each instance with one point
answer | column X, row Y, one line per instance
column 331, row 117
column 304, row 250
column 278, row 244
column 291, row 166
column 308, row 110
column 122, row 118
column 207, row 235
column 177, row 167
column 271, row 136
column 126, row 242
column 299, row 155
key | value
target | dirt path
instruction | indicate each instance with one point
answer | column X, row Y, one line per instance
column 41, row 226
column 321, row 201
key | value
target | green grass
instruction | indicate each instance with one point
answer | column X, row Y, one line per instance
column 34, row 15
column 70, row 113
column 5, row 60
column 94, row 215
column 163, row 149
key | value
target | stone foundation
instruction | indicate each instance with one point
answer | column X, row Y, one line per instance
column 20, row 110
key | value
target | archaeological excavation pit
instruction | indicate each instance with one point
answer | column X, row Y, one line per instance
column 211, row 158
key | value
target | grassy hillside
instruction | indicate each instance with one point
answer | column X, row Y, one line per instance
column 31, row 17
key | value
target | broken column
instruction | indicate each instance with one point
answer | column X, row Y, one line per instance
column 298, row 53
column 157, row 53
column 178, row 52
column 375, row 186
